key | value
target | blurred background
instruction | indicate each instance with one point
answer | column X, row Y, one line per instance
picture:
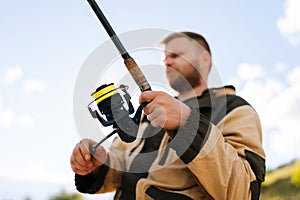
column 43, row 45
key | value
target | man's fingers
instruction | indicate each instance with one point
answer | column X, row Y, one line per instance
column 153, row 98
column 149, row 108
column 148, row 96
column 77, row 158
column 154, row 112
column 81, row 160
column 84, row 149
column 80, row 171
column 158, row 117
column 76, row 166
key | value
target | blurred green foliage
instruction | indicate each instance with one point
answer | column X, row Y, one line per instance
column 63, row 195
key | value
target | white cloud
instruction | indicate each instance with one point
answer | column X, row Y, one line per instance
column 25, row 121
column 289, row 25
column 6, row 118
column 280, row 67
column 1, row 102
column 284, row 143
column 261, row 92
column 293, row 77
column 31, row 86
column 277, row 102
column 13, row 74
column 249, row 71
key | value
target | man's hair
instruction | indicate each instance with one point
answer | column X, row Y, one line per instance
column 195, row 36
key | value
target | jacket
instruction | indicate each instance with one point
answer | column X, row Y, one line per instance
column 217, row 154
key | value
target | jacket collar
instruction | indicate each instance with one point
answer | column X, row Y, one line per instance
column 219, row 91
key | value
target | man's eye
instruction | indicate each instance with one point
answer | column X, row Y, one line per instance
column 174, row 55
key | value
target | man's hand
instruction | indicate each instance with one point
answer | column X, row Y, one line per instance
column 82, row 162
column 164, row 110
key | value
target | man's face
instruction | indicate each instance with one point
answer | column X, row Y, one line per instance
column 182, row 60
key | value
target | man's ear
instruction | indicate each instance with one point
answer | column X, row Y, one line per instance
column 206, row 61
column 207, row 57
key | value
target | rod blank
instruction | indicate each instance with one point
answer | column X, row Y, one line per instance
column 129, row 62
column 110, row 31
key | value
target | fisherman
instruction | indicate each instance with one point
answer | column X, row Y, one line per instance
column 202, row 144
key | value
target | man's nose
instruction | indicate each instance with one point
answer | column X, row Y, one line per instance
column 168, row 62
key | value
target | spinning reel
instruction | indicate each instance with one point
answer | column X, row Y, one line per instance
column 116, row 110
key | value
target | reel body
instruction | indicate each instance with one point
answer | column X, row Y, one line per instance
column 112, row 106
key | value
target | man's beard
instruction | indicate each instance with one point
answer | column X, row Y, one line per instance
column 187, row 82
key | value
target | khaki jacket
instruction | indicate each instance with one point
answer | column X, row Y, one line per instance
column 218, row 154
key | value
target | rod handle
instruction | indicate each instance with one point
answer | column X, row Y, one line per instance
column 137, row 74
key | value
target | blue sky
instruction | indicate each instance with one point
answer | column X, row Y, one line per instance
column 43, row 45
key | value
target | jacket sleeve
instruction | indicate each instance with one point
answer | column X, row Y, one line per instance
column 215, row 154
column 93, row 181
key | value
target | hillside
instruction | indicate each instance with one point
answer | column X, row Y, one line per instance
column 282, row 183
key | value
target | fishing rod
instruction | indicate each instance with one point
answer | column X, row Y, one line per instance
column 108, row 98
column 129, row 62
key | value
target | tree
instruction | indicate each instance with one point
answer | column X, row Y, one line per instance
column 63, row 195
